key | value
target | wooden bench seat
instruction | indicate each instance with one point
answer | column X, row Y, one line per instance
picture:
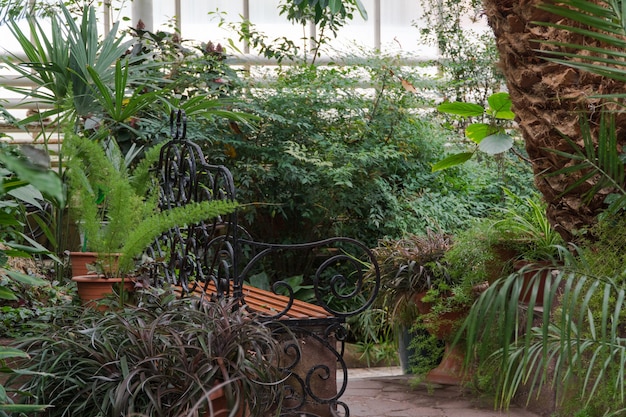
column 267, row 303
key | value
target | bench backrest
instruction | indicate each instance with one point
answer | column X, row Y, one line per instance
column 202, row 254
column 216, row 256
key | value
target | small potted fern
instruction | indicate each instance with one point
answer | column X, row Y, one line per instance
column 117, row 211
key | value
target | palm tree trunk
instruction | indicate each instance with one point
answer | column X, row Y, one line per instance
column 548, row 99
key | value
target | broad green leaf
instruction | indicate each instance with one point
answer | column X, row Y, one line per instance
column 6, row 294
column 335, row 6
column 499, row 102
column 461, row 109
column 26, row 279
column 452, row 160
column 28, row 194
column 43, row 179
column 495, row 144
column 476, row 132
column 260, row 280
column 505, row 115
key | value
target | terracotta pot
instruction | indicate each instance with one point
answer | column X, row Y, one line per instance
column 538, row 272
column 450, row 370
column 443, row 326
column 220, row 408
column 80, row 260
column 92, row 288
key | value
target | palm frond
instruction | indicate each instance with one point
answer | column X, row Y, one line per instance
column 604, row 22
column 584, row 350
column 601, row 165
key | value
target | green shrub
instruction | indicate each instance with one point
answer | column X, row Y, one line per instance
column 330, row 157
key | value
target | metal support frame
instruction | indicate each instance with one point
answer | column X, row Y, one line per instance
column 217, row 257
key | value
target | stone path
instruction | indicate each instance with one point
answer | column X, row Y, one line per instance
column 385, row 392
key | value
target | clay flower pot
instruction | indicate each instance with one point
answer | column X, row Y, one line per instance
column 93, row 288
column 450, row 370
column 79, row 262
column 220, row 407
column 534, row 274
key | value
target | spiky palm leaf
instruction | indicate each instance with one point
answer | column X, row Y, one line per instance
column 603, row 21
column 585, row 348
column 601, row 165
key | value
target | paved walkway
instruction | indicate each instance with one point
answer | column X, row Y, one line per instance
column 385, row 392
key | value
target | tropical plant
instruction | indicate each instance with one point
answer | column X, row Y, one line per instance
column 598, row 166
column 491, row 138
column 467, row 271
column 568, row 58
column 62, row 62
column 409, row 266
column 113, row 206
column 169, row 357
column 523, row 227
column 115, row 85
column 428, row 284
column 577, row 348
column 20, row 181
column 581, row 302
column 347, row 162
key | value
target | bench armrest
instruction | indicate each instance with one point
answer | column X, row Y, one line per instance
column 343, row 272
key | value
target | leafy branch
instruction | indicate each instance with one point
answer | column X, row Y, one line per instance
column 491, row 138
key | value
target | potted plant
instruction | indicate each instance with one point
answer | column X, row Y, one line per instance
column 428, row 284
column 469, row 267
column 118, row 215
column 409, row 267
column 524, row 228
column 171, row 357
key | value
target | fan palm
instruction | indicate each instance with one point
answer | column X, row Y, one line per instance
column 565, row 64
column 561, row 59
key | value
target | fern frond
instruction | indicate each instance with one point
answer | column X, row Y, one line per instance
column 144, row 233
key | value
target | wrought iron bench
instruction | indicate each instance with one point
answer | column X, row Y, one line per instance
column 217, row 257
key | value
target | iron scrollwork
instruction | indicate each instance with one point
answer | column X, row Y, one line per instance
column 217, row 256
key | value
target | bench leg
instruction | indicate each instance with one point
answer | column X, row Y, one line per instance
column 311, row 388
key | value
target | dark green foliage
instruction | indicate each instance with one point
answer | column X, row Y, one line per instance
column 573, row 343
column 43, row 303
column 425, row 350
column 164, row 359
column 116, row 206
column 20, row 181
column 331, row 158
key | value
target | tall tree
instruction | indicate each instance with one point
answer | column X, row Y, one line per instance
column 549, row 97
